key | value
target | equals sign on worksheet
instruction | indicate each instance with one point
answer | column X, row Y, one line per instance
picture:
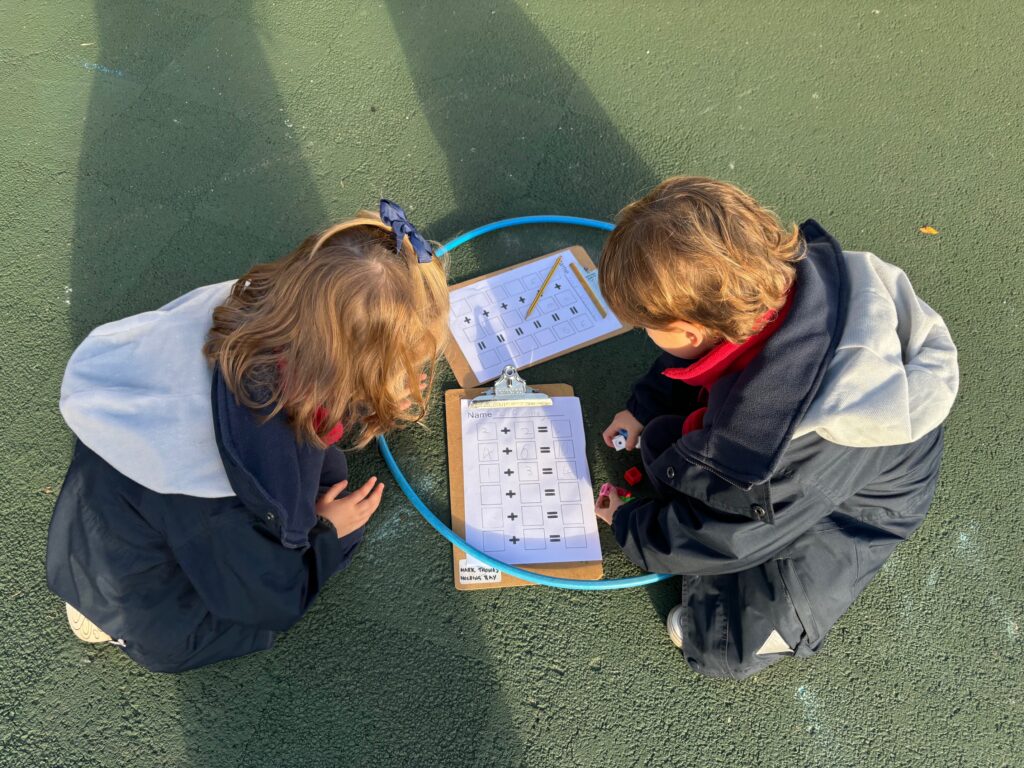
column 554, row 538
column 542, row 429
column 547, row 471
column 549, row 491
column 545, row 449
column 552, row 514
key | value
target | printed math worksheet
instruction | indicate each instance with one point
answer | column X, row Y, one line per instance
column 528, row 493
column 488, row 317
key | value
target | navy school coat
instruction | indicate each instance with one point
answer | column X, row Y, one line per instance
column 814, row 463
column 184, row 581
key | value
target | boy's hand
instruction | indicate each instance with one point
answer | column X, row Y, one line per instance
column 352, row 512
column 607, row 504
column 627, row 421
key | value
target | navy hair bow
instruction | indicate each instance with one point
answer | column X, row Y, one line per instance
column 393, row 215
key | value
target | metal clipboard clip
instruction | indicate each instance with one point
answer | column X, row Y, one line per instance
column 510, row 391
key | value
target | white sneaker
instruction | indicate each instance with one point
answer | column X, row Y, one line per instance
column 84, row 629
column 674, row 624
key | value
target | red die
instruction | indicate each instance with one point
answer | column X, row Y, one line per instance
column 634, row 476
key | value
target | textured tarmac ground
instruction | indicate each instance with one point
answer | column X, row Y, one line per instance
column 150, row 147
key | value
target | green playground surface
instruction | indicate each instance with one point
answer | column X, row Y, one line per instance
column 149, row 148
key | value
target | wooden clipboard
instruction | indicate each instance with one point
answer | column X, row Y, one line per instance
column 460, row 366
column 592, row 570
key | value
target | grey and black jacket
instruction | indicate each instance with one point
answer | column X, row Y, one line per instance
column 813, row 463
column 186, row 526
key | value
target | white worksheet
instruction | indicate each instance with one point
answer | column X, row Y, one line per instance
column 528, row 495
column 488, row 318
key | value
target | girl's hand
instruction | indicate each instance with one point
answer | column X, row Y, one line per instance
column 627, row 421
column 607, row 505
column 352, row 512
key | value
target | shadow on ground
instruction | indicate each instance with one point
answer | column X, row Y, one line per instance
column 190, row 172
column 522, row 134
column 165, row 200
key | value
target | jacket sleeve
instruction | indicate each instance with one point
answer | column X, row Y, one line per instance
column 657, row 395
column 335, row 468
column 244, row 574
column 682, row 535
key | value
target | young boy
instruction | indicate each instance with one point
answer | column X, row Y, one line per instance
column 792, row 429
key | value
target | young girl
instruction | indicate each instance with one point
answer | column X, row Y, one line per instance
column 207, row 502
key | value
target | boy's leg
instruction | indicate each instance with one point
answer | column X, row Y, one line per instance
column 737, row 624
column 732, row 625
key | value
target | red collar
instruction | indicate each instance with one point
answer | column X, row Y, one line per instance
column 336, row 432
column 728, row 357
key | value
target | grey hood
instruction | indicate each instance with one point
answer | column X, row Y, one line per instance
column 138, row 393
column 894, row 374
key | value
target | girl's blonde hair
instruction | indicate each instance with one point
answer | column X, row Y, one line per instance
column 702, row 251
column 338, row 330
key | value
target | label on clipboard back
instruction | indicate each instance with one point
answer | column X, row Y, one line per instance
column 472, row 571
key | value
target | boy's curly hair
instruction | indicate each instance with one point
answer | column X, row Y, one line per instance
column 702, row 251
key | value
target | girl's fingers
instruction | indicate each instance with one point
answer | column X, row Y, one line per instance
column 364, row 489
column 370, row 503
column 334, row 490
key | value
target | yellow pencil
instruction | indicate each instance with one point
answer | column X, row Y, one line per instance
column 540, row 291
column 588, row 289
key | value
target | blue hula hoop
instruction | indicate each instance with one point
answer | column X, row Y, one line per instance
column 435, row 522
